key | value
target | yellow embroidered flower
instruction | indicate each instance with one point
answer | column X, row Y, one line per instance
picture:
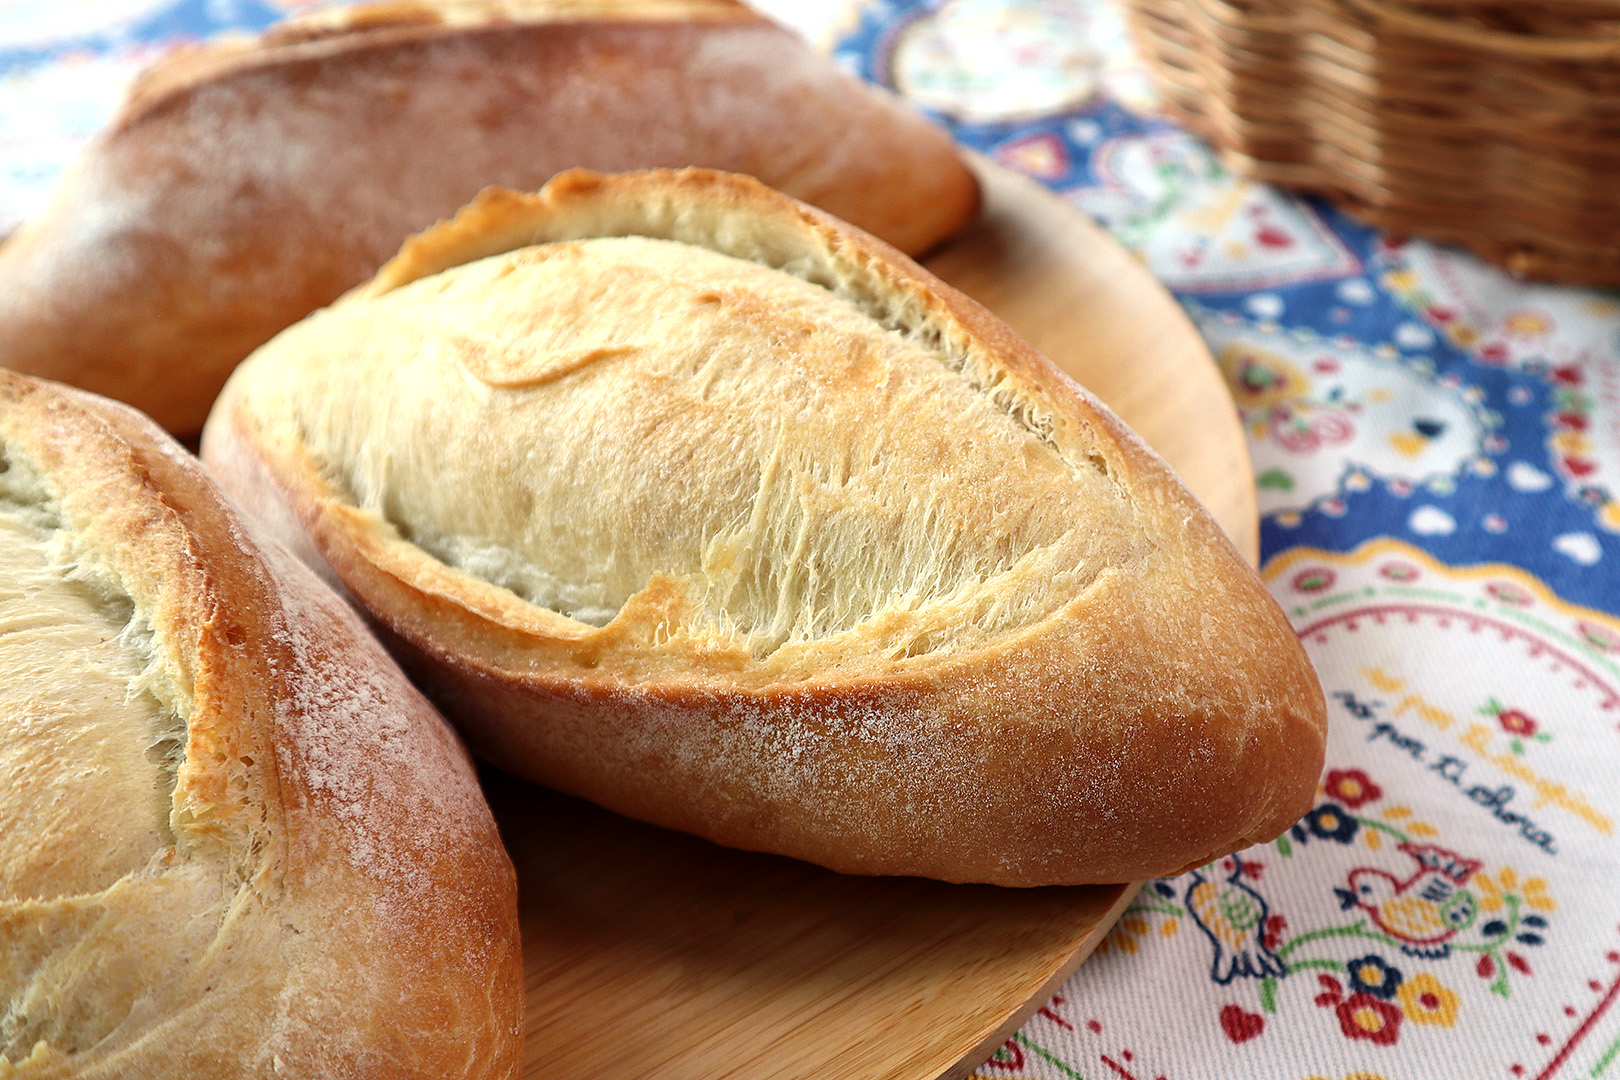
column 1493, row 891
column 1261, row 380
column 1527, row 323
column 1462, row 335
column 1128, row 934
column 1535, row 894
column 1425, row 1000
column 1125, row 935
column 1490, row 894
column 1571, row 442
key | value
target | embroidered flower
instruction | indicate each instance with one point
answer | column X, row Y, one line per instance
column 1494, row 890
column 1330, row 822
column 1425, row 1000
column 1517, row 722
column 1314, row 579
column 1399, row 571
column 1520, row 725
column 1007, row 1056
column 1462, row 335
column 1127, row 933
column 1490, row 893
column 1158, row 898
column 1271, row 934
column 1371, row 975
column 1508, row 593
column 1262, row 380
column 1352, row 787
column 1362, row 1016
column 1599, row 637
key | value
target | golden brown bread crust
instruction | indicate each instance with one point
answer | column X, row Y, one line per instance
column 1162, row 715
column 345, row 908
column 245, row 185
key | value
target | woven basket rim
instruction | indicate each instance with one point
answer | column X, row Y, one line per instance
column 1400, row 15
column 1494, row 124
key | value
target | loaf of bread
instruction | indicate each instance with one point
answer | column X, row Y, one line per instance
column 245, row 184
column 234, row 841
column 681, row 496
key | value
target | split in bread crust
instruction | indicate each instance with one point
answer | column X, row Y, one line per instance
column 234, row 840
column 689, row 499
column 246, row 184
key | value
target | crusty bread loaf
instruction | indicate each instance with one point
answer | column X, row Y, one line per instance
column 684, row 497
column 245, row 184
column 234, row 841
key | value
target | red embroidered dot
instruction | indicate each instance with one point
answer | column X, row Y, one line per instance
column 1594, row 985
column 1093, row 1025
column 1127, row 1055
column 1430, row 1001
column 1614, row 957
column 1569, row 1010
column 1517, row 1070
column 1542, row 1039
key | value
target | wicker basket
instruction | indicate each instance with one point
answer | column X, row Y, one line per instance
column 1495, row 125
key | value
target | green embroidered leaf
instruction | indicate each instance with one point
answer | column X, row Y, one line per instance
column 1276, row 480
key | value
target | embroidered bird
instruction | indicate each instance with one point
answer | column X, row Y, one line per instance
column 1425, row 911
column 1233, row 916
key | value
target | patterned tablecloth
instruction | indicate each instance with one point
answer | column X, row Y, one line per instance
column 1437, row 454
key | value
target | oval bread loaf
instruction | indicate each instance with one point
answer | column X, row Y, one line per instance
column 686, row 498
column 234, row 840
column 246, row 184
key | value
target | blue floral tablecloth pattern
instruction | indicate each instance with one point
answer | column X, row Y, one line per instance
column 1437, row 456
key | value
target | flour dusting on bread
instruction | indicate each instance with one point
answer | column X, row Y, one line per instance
column 691, row 500
column 248, row 183
column 181, row 891
column 849, row 505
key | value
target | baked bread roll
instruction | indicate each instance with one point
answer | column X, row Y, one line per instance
column 681, row 496
column 245, row 184
column 234, row 840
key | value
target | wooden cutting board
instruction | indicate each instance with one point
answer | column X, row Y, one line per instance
column 650, row 954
